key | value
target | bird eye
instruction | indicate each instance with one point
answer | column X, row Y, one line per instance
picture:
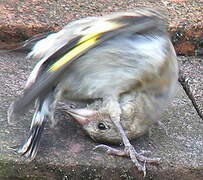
column 102, row 126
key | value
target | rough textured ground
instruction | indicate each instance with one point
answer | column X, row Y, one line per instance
column 67, row 153
column 20, row 20
column 192, row 71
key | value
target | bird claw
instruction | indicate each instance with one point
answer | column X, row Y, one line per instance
column 111, row 151
column 130, row 151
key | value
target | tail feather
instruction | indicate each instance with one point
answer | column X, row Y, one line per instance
column 31, row 145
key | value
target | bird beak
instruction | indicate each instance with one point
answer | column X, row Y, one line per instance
column 83, row 116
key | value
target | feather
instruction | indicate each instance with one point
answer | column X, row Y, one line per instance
column 30, row 146
column 46, row 79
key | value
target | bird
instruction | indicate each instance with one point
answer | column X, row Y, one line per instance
column 123, row 55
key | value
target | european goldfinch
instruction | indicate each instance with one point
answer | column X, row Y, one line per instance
column 121, row 55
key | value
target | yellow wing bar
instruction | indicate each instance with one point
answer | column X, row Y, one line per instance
column 74, row 52
column 88, row 40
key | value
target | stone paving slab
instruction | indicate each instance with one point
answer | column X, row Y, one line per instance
column 66, row 152
column 192, row 70
column 20, row 20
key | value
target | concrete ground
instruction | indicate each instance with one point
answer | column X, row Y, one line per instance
column 66, row 152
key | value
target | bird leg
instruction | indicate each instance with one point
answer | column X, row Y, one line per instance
column 115, row 111
column 129, row 151
column 84, row 116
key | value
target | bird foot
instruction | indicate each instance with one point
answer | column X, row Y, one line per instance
column 136, row 157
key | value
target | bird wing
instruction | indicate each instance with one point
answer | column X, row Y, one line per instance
column 52, row 68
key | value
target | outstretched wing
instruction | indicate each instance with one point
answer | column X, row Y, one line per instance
column 51, row 69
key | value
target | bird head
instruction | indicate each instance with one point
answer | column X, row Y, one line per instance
column 96, row 121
